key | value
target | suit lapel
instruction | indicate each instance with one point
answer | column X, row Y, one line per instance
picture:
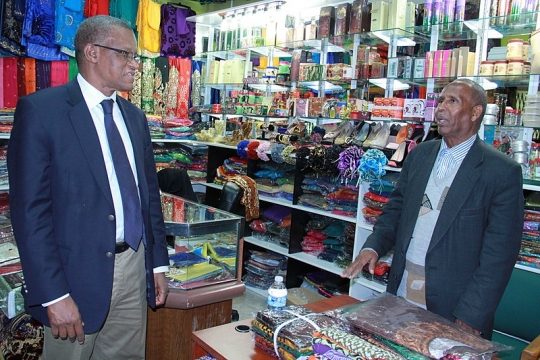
column 85, row 130
column 459, row 192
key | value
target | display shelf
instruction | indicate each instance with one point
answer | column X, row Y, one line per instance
column 528, row 268
column 267, row 245
column 4, row 187
column 266, row 51
column 228, row 54
column 223, row 86
column 530, row 184
column 363, row 225
column 5, row 136
column 488, row 82
column 370, row 284
column 268, row 87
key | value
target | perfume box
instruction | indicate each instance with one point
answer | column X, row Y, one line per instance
column 396, row 14
column 419, row 68
column 327, row 20
column 379, row 15
column 301, row 107
column 343, row 12
column 414, row 109
column 339, row 72
column 315, row 106
column 298, row 56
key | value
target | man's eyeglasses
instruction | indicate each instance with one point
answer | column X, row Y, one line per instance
column 126, row 54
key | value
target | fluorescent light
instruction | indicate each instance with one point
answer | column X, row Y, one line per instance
column 398, row 85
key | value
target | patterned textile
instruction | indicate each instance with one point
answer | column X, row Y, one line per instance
column 401, row 322
column 59, row 72
column 30, row 74
column 43, row 74
column 21, row 338
column 250, row 196
column 183, row 66
column 11, row 30
column 351, row 345
column 147, row 85
column 96, row 7
column 177, row 34
column 10, row 82
column 69, row 15
column 161, row 86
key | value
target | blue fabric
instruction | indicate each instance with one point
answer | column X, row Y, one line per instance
column 69, row 15
column 126, row 180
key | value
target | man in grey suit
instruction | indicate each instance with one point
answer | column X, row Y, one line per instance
column 71, row 215
column 454, row 220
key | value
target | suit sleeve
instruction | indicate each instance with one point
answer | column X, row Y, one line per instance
column 156, row 216
column 29, row 166
column 501, row 243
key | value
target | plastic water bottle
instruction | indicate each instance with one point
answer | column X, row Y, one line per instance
column 277, row 294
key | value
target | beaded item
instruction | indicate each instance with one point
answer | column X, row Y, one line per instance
column 276, row 152
column 348, row 162
column 331, row 158
column 148, row 70
column 252, row 150
column 250, row 196
column 302, row 157
column 241, row 148
column 262, row 149
column 316, row 158
column 371, row 166
column 287, row 155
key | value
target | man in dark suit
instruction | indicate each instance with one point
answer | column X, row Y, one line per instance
column 454, row 220
column 83, row 279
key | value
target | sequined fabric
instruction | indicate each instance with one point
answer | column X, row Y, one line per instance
column 69, row 15
column 135, row 96
column 11, row 30
column 147, row 85
column 182, row 96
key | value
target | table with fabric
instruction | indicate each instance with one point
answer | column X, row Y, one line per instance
column 224, row 342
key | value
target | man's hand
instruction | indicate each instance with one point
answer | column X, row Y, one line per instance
column 366, row 256
column 66, row 320
column 468, row 328
column 162, row 289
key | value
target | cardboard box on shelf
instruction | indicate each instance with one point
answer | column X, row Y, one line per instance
column 302, row 296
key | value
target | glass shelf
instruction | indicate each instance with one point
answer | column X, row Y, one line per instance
column 498, row 81
column 237, row 54
column 496, row 27
column 222, row 86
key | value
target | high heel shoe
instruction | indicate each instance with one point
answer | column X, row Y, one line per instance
column 344, row 134
column 399, row 156
column 380, row 141
column 374, row 131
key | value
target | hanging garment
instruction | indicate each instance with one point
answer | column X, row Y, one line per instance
column 10, row 82
column 173, row 88
column 11, row 30
column 96, row 7
column 148, row 20
column 161, row 87
column 177, row 34
column 125, row 10
column 43, row 74
column 30, row 74
column 69, row 15
column 59, row 72
column 147, row 85
column 184, row 77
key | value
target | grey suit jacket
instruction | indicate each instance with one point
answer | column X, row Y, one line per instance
column 475, row 241
column 61, row 204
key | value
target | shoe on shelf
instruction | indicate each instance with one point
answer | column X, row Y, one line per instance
column 381, row 139
column 374, row 131
column 399, row 155
column 345, row 133
column 333, row 134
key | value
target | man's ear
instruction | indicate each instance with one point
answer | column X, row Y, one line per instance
column 90, row 53
column 476, row 113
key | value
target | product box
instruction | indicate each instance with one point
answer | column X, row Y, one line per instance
column 339, row 72
column 379, row 15
column 315, row 106
column 298, row 56
column 414, row 109
column 327, row 21
column 343, row 12
column 410, row 14
column 396, row 14
column 311, row 72
column 392, row 67
column 302, row 296
column 419, row 68
column 301, row 107
column 355, row 21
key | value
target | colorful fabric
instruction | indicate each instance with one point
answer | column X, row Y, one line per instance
column 177, row 34
column 69, row 15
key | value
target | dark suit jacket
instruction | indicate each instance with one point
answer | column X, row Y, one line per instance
column 475, row 241
column 61, row 204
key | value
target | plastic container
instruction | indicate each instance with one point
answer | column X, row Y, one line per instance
column 277, row 294
column 486, row 68
column 515, row 67
column 514, row 49
column 490, row 119
column 501, row 67
column 492, row 109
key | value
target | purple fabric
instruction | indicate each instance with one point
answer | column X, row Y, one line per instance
column 43, row 74
column 177, row 34
column 328, row 352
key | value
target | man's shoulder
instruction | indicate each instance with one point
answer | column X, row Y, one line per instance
column 53, row 94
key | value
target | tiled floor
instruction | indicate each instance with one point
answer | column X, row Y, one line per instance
column 252, row 301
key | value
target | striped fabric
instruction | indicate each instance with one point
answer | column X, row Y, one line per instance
column 448, row 158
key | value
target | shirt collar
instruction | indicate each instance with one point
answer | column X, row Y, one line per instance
column 92, row 96
column 459, row 151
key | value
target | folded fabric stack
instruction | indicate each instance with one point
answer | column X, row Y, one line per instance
column 326, row 284
column 197, row 170
column 326, row 243
column 529, row 254
column 397, row 321
column 262, row 267
column 343, row 201
column 232, row 166
column 4, row 180
column 269, row 175
column 377, row 196
column 315, row 188
column 178, row 129
column 289, row 335
column 274, row 225
column 155, row 124
column 175, row 157
column 190, row 269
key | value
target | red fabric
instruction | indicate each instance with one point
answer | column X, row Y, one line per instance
column 96, row 7
column 10, row 82
column 21, row 75
column 184, row 76
column 30, row 74
column 59, row 72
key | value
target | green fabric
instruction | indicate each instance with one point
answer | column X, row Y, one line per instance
column 518, row 346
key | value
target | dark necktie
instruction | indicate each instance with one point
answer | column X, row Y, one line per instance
column 126, row 181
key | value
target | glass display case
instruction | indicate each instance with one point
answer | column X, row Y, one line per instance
column 206, row 243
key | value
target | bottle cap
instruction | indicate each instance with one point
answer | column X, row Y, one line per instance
column 278, row 278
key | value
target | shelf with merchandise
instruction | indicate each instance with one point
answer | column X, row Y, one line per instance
column 488, row 82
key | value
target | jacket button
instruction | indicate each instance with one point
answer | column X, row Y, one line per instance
column 395, row 277
column 109, row 254
column 111, row 217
